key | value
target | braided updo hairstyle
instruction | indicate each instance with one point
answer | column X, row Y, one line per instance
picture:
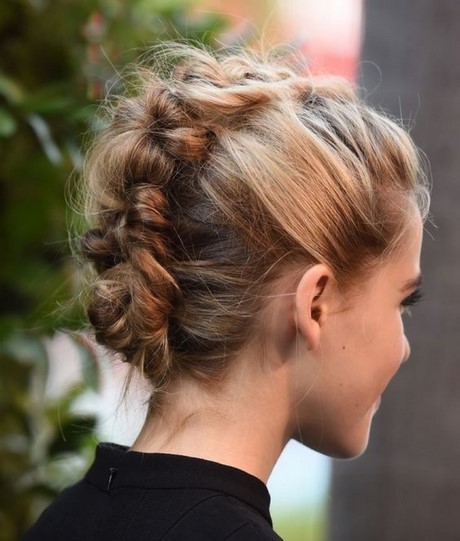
column 212, row 177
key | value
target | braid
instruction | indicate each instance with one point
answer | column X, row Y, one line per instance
column 129, row 243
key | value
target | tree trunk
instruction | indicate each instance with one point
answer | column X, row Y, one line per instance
column 407, row 485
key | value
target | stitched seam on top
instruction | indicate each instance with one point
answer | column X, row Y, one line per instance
column 237, row 529
column 131, row 518
column 187, row 513
column 243, row 505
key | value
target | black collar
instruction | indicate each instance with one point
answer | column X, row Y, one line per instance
column 116, row 466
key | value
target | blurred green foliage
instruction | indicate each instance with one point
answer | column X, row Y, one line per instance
column 58, row 58
column 301, row 525
column 44, row 444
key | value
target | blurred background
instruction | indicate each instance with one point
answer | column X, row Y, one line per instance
column 59, row 394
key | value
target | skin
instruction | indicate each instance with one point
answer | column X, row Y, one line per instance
column 327, row 359
column 357, row 346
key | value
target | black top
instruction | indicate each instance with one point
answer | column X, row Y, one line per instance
column 128, row 495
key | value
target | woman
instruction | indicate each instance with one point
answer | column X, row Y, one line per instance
column 256, row 236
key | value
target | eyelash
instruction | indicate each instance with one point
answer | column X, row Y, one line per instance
column 415, row 297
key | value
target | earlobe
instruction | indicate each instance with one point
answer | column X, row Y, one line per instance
column 311, row 305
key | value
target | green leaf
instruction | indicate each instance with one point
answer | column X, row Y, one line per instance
column 26, row 348
column 10, row 90
column 8, row 124
column 50, row 99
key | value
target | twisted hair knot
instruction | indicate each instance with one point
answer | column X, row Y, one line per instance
column 135, row 293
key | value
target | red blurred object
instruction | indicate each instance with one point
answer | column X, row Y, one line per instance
column 329, row 34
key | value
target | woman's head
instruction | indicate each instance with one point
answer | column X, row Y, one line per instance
column 215, row 177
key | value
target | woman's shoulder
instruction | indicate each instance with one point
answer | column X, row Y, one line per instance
column 219, row 517
column 154, row 497
column 148, row 514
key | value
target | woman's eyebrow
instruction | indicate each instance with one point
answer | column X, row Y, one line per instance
column 413, row 283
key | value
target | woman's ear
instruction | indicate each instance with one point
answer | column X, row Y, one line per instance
column 312, row 302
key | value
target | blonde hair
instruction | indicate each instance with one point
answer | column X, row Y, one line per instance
column 218, row 172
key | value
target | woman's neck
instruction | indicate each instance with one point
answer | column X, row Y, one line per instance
column 242, row 424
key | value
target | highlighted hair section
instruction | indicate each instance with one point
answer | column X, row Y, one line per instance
column 215, row 175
